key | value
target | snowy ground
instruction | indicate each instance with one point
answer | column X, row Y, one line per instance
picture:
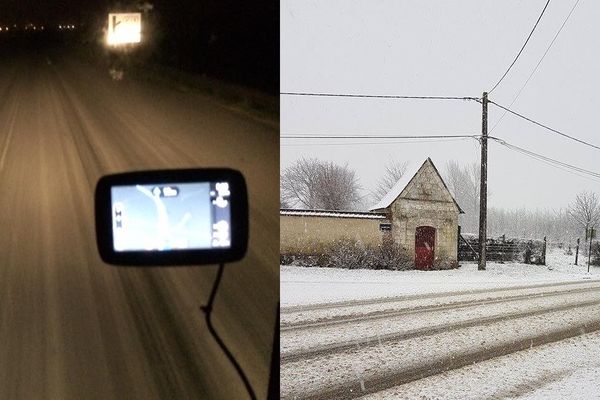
column 320, row 285
column 569, row 369
column 368, row 330
column 391, row 333
column 376, row 362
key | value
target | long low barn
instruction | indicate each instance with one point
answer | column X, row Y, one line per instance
column 419, row 214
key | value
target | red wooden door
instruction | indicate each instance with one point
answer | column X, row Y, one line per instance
column 424, row 247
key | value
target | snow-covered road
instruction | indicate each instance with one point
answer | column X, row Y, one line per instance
column 388, row 363
column 330, row 313
column 385, row 345
column 565, row 370
column 404, row 322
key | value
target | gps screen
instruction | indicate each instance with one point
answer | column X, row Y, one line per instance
column 168, row 217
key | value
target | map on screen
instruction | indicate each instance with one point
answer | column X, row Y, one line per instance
column 163, row 217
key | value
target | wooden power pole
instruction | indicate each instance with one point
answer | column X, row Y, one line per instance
column 483, row 184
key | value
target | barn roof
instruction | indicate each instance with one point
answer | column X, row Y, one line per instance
column 403, row 182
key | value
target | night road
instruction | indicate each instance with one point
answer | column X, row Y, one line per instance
column 72, row 327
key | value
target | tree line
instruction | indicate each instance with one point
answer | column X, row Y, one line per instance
column 310, row 183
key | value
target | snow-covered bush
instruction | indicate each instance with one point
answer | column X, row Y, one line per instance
column 442, row 261
column 394, row 257
column 595, row 253
column 353, row 254
column 286, row 259
column 303, row 260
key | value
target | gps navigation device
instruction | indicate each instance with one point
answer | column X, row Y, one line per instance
column 172, row 217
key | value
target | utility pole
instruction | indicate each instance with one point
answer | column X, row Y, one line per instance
column 483, row 184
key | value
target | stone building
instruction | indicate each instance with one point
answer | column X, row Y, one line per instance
column 418, row 213
column 424, row 217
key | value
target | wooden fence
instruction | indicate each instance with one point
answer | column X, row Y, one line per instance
column 503, row 249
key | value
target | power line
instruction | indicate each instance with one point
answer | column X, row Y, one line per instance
column 376, row 136
column 585, row 173
column 537, row 65
column 375, row 143
column 375, row 96
column 522, row 48
column 545, row 126
column 590, row 178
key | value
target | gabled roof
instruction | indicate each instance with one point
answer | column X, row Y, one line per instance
column 403, row 182
column 397, row 189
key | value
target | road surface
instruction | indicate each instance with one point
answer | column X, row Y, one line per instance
column 563, row 370
column 350, row 354
column 72, row 327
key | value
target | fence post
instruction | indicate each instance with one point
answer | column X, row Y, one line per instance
column 527, row 255
column 577, row 251
column 592, row 234
column 458, row 245
column 544, row 254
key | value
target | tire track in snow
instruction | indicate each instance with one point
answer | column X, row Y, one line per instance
column 384, row 300
column 338, row 347
column 383, row 314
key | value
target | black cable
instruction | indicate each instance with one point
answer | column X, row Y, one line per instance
column 554, row 165
column 207, row 309
column 548, row 160
column 376, row 143
column 375, row 136
column 522, row 48
column 374, row 96
column 537, row 65
column 545, row 127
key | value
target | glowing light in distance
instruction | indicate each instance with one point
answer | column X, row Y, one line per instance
column 124, row 28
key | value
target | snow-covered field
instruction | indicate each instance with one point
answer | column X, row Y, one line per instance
column 321, row 285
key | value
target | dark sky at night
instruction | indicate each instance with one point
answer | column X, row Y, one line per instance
column 227, row 39
column 20, row 11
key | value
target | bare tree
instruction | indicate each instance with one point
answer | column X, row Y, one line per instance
column 463, row 183
column 585, row 210
column 298, row 184
column 315, row 184
column 393, row 172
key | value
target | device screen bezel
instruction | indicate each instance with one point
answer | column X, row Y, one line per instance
column 238, row 209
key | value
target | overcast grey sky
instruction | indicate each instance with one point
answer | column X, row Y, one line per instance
column 447, row 48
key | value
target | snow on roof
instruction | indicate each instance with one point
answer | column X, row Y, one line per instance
column 399, row 187
column 331, row 213
column 395, row 191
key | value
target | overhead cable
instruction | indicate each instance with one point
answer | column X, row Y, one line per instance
column 379, row 143
column 328, row 136
column 545, row 126
column 548, row 160
column 377, row 96
column 537, row 65
column 522, row 48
